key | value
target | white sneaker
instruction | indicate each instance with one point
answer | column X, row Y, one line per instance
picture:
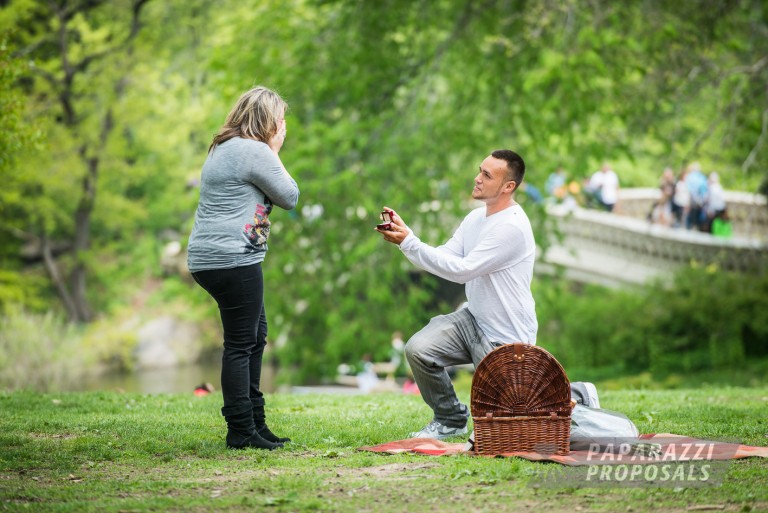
column 437, row 431
column 585, row 393
column 594, row 402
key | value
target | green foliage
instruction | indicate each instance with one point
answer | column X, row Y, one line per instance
column 17, row 138
column 392, row 103
column 592, row 327
column 572, row 94
column 22, row 289
column 44, row 352
column 707, row 325
column 15, row 134
column 704, row 319
column 39, row 352
column 109, row 343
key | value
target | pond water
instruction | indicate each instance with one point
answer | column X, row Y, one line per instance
column 168, row 380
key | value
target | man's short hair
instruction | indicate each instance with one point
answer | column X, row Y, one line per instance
column 515, row 165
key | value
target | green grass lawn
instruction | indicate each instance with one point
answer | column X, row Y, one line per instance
column 130, row 452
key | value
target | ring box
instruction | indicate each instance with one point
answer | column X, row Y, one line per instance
column 386, row 216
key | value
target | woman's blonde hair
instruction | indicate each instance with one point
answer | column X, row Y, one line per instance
column 256, row 115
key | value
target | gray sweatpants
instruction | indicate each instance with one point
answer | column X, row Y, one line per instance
column 453, row 339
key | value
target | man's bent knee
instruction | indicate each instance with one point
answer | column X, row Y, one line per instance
column 416, row 347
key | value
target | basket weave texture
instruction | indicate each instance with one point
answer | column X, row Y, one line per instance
column 521, row 402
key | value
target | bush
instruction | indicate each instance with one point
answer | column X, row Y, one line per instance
column 702, row 319
column 707, row 319
column 37, row 351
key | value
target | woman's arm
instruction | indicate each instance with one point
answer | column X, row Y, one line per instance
column 269, row 175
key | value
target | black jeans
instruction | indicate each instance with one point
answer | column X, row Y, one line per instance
column 239, row 293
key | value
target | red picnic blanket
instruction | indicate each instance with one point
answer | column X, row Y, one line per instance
column 672, row 448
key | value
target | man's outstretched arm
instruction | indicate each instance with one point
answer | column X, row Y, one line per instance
column 400, row 231
column 500, row 249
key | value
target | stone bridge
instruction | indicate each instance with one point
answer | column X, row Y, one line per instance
column 623, row 248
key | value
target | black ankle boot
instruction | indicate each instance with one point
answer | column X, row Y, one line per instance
column 236, row 441
column 266, row 434
column 259, row 420
column 241, row 433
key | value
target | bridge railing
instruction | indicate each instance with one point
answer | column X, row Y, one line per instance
column 748, row 212
column 622, row 238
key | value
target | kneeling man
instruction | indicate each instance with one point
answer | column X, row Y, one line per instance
column 492, row 253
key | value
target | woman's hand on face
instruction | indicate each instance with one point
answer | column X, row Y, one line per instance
column 277, row 140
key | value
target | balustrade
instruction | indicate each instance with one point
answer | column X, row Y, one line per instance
column 626, row 248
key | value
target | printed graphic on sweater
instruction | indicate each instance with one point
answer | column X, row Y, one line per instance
column 258, row 232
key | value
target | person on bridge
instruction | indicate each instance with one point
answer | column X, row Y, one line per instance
column 492, row 252
column 715, row 206
column 662, row 211
column 681, row 200
column 604, row 185
column 698, row 189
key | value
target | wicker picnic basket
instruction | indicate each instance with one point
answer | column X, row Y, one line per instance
column 521, row 402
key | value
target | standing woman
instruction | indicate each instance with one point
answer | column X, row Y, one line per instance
column 242, row 179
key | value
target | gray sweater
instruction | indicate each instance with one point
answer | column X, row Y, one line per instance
column 241, row 180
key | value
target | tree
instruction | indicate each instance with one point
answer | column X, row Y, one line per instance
column 81, row 56
column 429, row 87
column 392, row 102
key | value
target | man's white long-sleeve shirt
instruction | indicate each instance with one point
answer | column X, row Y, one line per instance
column 493, row 256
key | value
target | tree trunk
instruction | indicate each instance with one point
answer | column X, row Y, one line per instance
column 53, row 271
column 82, row 240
